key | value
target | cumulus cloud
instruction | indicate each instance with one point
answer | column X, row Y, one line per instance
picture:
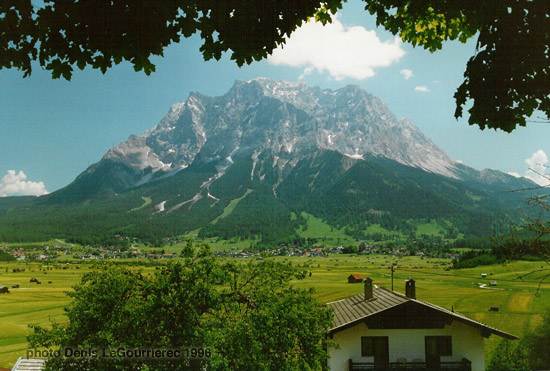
column 538, row 165
column 422, row 89
column 339, row 50
column 514, row 174
column 407, row 74
column 15, row 184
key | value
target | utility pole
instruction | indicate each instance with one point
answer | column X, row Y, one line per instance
column 392, row 270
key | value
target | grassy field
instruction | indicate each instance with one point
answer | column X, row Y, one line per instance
column 229, row 208
column 432, row 228
column 520, row 308
column 33, row 303
column 146, row 202
column 325, row 234
column 219, row 244
column 30, row 303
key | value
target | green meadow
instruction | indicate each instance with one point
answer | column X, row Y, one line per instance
column 324, row 233
column 520, row 306
column 30, row 303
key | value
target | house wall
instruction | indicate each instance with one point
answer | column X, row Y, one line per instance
column 467, row 343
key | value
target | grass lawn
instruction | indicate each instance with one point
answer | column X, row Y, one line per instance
column 519, row 307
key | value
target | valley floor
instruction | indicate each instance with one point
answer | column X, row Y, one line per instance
column 520, row 306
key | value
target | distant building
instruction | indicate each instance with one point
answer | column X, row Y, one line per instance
column 355, row 278
column 383, row 329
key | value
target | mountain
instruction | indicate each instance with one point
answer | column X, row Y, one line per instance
column 256, row 161
column 288, row 120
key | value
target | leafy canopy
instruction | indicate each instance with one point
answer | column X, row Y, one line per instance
column 507, row 79
column 248, row 317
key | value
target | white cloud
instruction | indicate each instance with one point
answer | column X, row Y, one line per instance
column 15, row 184
column 538, row 165
column 514, row 174
column 422, row 89
column 407, row 74
column 339, row 50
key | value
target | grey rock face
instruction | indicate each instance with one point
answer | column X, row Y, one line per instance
column 287, row 120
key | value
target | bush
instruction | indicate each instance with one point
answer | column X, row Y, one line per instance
column 530, row 353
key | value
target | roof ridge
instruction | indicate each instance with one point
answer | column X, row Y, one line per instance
column 353, row 309
column 394, row 292
column 336, row 301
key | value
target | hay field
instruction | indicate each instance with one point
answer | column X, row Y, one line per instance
column 519, row 307
column 32, row 303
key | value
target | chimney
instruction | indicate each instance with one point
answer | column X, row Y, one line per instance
column 410, row 290
column 368, row 288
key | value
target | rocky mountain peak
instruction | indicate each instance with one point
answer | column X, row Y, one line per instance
column 286, row 119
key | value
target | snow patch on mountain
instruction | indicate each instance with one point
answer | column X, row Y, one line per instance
column 355, row 156
column 160, row 206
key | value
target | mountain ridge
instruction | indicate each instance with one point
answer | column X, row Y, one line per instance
column 298, row 119
column 248, row 163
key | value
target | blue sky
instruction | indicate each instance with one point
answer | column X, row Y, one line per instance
column 52, row 130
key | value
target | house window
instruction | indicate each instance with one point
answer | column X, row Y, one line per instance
column 440, row 345
column 372, row 346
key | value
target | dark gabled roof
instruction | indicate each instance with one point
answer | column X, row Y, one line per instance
column 353, row 310
column 347, row 312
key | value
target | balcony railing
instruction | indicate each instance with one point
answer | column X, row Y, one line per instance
column 464, row 365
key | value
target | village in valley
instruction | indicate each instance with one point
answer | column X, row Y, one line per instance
column 60, row 251
column 460, row 297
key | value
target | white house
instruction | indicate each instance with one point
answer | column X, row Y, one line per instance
column 385, row 330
